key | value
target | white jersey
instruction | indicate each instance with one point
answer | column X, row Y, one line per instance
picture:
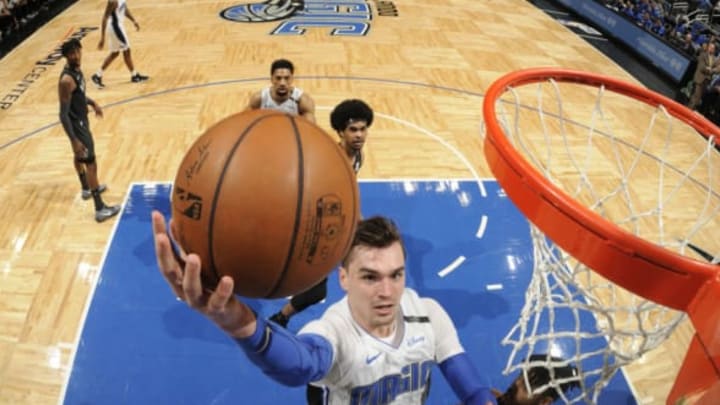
column 115, row 30
column 368, row 371
column 289, row 106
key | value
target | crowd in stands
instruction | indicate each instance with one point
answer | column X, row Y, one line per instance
column 684, row 24
column 20, row 18
column 15, row 14
column 687, row 25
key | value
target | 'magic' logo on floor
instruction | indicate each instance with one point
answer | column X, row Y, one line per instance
column 339, row 17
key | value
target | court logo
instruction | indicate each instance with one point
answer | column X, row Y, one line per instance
column 270, row 10
column 338, row 18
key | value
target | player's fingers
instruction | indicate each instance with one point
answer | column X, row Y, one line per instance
column 180, row 253
column 192, row 286
column 158, row 222
column 163, row 253
column 219, row 299
column 168, row 267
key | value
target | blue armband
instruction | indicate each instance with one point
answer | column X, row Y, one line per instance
column 465, row 381
column 288, row 359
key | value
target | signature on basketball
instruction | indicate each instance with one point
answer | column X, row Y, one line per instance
column 203, row 153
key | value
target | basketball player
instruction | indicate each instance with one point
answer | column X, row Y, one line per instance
column 375, row 346
column 113, row 22
column 538, row 376
column 281, row 95
column 73, row 116
column 351, row 120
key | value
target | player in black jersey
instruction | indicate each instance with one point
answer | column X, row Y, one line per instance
column 74, row 118
column 351, row 119
column 546, row 377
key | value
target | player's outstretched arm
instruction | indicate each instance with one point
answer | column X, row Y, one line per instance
column 465, row 381
column 288, row 359
column 455, row 364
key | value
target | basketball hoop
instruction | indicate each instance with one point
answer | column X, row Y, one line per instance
column 617, row 209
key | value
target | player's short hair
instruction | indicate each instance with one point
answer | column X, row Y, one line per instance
column 282, row 64
column 376, row 232
column 541, row 375
column 69, row 46
column 348, row 112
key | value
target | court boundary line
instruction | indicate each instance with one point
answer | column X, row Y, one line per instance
column 89, row 299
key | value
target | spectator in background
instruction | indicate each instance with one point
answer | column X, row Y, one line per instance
column 7, row 19
column 709, row 107
column 707, row 66
column 687, row 45
column 18, row 19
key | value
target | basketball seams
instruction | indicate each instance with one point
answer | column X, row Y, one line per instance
column 298, row 207
column 216, row 194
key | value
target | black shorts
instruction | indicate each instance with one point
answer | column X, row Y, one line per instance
column 81, row 128
column 312, row 296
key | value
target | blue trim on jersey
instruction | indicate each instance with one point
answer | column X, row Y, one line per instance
column 286, row 358
column 465, row 381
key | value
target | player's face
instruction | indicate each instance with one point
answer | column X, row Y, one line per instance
column 74, row 57
column 281, row 82
column 374, row 280
column 354, row 135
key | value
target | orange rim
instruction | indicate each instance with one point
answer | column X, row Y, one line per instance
column 629, row 261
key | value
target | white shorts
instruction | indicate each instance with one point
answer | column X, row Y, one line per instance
column 117, row 38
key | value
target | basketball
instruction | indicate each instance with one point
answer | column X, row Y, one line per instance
column 268, row 199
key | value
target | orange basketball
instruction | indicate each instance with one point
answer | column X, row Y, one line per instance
column 268, row 199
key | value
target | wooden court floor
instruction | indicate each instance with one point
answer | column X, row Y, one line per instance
column 424, row 73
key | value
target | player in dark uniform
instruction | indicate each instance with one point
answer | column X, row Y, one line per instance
column 351, row 119
column 74, row 118
column 545, row 373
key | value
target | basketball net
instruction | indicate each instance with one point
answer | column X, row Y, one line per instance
column 657, row 180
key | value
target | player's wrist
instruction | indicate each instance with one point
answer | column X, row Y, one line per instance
column 254, row 337
column 245, row 327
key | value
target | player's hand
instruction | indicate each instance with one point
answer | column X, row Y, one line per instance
column 98, row 110
column 101, row 44
column 221, row 305
column 78, row 148
column 137, row 26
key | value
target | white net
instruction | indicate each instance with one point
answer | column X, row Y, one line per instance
column 638, row 167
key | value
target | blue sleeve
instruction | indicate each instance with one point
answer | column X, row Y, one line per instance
column 465, row 381
column 288, row 359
